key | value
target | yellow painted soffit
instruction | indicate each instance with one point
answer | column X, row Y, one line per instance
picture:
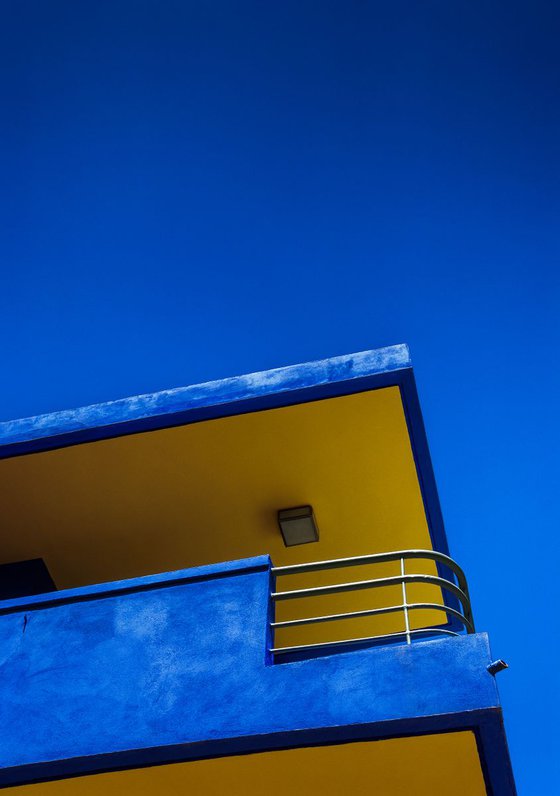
column 420, row 765
column 209, row 492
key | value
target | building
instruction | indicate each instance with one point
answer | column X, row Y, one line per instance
column 346, row 661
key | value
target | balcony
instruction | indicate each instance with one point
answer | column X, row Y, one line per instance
column 183, row 666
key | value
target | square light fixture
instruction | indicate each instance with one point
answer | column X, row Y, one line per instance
column 298, row 525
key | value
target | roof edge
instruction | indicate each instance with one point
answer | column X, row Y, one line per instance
column 142, row 412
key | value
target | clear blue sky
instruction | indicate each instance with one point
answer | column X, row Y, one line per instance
column 193, row 190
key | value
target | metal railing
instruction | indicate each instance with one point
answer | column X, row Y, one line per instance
column 450, row 579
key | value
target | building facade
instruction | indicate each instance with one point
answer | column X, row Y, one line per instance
column 334, row 650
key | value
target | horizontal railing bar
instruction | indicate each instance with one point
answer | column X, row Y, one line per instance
column 374, row 612
column 375, row 558
column 437, row 607
column 376, row 583
column 390, row 609
column 365, row 640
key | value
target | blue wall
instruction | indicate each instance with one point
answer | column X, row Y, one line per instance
column 175, row 666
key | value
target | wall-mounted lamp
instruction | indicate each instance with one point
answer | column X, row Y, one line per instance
column 298, row 525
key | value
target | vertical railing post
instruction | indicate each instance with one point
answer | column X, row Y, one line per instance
column 405, row 605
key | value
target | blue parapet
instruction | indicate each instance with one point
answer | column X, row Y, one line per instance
column 176, row 667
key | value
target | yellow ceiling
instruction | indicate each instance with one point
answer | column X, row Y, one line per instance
column 422, row 765
column 209, row 492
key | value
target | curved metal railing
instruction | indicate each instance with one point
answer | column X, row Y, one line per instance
column 450, row 579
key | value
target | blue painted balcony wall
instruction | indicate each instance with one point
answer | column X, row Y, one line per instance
column 175, row 666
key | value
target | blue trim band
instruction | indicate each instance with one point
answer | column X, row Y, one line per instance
column 197, row 402
column 487, row 725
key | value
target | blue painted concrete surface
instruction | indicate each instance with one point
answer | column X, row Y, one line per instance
column 141, row 668
column 162, row 406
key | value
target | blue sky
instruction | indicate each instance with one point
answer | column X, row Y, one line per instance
column 194, row 190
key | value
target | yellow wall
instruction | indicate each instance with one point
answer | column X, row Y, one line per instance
column 416, row 766
column 209, row 492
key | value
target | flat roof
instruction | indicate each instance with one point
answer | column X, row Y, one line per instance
column 341, row 375
column 295, row 384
